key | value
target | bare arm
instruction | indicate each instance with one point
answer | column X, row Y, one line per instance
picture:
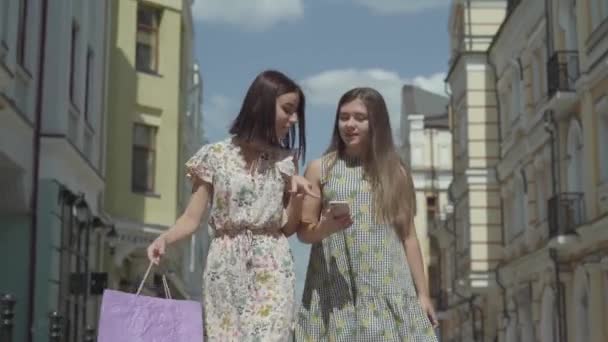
column 414, row 259
column 313, row 230
column 293, row 208
column 190, row 220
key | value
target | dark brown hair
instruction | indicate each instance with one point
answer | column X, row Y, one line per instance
column 256, row 119
column 390, row 178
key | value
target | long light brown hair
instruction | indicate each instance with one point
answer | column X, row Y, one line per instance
column 389, row 177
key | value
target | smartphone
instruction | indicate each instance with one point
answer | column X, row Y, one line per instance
column 339, row 208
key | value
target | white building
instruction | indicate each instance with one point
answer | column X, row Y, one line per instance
column 52, row 93
column 427, row 149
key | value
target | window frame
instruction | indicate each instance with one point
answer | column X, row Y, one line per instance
column 149, row 188
column 601, row 109
column 155, row 30
column 75, row 30
column 22, row 33
column 90, row 63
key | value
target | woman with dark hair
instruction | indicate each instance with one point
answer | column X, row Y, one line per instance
column 250, row 182
column 365, row 279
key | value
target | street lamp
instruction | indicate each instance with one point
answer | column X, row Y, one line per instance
column 564, row 240
column 81, row 211
column 112, row 236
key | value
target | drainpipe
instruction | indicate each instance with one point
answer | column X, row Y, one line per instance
column 562, row 327
column 35, row 174
column 553, row 131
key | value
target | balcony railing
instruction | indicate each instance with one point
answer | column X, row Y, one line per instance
column 511, row 4
column 566, row 212
column 562, row 71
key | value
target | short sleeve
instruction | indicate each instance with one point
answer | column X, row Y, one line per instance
column 200, row 165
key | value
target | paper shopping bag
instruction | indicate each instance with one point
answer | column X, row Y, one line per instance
column 127, row 317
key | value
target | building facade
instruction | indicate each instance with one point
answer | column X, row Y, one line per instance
column 192, row 136
column 151, row 82
column 427, row 148
column 545, row 77
column 470, row 237
column 52, row 108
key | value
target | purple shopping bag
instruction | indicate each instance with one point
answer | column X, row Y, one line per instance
column 127, row 317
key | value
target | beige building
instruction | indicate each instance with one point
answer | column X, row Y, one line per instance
column 530, row 121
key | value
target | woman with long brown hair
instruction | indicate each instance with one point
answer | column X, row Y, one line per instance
column 249, row 183
column 365, row 279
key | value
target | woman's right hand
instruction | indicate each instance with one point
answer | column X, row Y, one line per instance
column 157, row 249
column 334, row 223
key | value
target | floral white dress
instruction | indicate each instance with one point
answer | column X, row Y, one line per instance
column 249, row 281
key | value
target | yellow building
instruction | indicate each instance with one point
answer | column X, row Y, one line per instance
column 150, row 74
column 531, row 108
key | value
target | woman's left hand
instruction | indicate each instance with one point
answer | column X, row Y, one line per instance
column 301, row 186
column 427, row 308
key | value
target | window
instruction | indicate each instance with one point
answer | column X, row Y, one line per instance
column 504, row 115
column 601, row 108
column 519, row 209
column 144, row 158
column 88, row 85
column 536, row 79
column 73, row 61
column 516, row 202
column 431, row 209
column 146, row 54
column 417, row 156
column 541, row 196
column 22, row 31
column 462, row 133
column 575, row 157
column 4, row 22
column 508, row 205
column 523, row 213
column 516, row 94
column 444, row 156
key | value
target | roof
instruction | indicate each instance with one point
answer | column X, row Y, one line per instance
column 416, row 100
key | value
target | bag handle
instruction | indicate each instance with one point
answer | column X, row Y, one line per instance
column 165, row 283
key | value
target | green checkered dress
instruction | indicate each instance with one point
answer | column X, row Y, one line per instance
column 358, row 284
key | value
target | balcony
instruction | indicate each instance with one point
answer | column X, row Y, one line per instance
column 562, row 72
column 566, row 213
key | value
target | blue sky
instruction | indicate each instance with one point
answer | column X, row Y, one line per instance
column 328, row 46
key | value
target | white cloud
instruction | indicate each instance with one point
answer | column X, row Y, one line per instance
column 255, row 15
column 400, row 6
column 326, row 87
column 433, row 83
